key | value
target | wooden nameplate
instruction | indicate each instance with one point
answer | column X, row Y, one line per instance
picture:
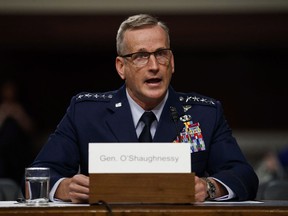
column 170, row 188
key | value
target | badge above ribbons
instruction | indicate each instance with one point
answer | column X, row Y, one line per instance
column 191, row 133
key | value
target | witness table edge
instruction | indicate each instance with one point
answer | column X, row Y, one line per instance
column 264, row 208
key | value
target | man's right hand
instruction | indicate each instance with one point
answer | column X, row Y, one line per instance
column 75, row 189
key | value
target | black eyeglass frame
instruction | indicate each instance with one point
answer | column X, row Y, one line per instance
column 150, row 53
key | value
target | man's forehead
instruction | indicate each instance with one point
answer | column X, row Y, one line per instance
column 141, row 39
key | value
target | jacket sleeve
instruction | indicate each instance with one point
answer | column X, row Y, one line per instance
column 227, row 162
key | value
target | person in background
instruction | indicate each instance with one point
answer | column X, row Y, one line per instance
column 273, row 166
column 272, row 171
column 146, row 64
column 16, row 131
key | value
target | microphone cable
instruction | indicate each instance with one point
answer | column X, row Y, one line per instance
column 175, row 117
column 106, row 205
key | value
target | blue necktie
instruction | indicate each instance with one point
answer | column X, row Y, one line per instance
column 147, row 118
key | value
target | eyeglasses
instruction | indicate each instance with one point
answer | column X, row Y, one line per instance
column 141, row 58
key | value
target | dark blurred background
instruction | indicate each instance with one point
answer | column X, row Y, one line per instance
column 237, row 53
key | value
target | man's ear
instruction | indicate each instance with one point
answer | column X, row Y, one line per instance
column 119, row 63
column 172, row 63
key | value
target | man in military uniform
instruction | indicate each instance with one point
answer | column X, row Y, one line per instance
column 146, row 63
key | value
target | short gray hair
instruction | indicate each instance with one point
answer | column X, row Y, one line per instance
column 137, row 22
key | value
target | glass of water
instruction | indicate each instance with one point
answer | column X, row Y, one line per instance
column 37, row 186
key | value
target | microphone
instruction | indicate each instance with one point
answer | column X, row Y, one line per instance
column 175, row 117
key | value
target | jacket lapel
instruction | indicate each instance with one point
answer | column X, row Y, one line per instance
column 168, row 129
column 120, row 121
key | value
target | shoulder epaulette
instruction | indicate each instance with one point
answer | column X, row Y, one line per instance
column 104, row 96
column 193, row 98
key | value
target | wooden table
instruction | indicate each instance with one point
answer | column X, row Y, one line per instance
column 267, row 208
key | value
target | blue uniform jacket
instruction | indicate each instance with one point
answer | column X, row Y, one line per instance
column 106, row 117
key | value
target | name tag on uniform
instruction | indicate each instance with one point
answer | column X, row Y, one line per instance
column 139, row 158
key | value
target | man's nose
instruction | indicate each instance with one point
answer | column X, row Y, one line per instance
column 153, row 62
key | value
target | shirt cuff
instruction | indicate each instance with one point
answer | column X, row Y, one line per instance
column 228, row 196
column 53, row 190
